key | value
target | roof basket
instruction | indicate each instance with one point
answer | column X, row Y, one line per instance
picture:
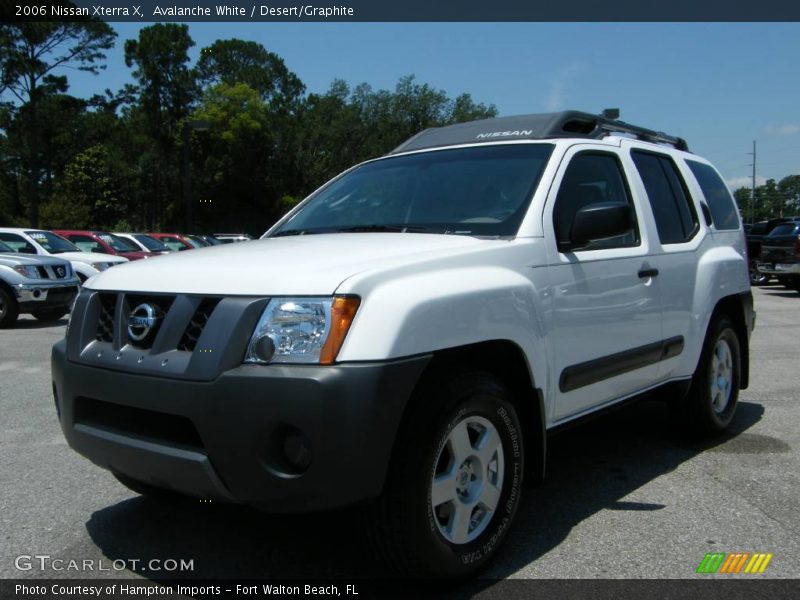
column 570, row 123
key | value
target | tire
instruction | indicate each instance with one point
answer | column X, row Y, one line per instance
column 149, row 491
column 432, row 518
column 9, row 309
column 710, row 405
column 757, row 277
column 50, row 314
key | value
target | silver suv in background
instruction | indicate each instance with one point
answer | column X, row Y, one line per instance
column 43, row 286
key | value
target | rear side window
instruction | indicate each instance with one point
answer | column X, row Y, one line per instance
column 720, row 201
column 675, row 217
column 787, row 229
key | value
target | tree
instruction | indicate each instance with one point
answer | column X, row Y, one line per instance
column 237, row 61
column 88, row 194
column 165, row 94
column 30, row 53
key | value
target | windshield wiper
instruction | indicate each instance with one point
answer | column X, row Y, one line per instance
column 381, row 228
column 286, row 232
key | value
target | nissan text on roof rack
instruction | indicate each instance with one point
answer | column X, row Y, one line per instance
column 405, row 338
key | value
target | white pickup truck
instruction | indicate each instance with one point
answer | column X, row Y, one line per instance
column 406, row 337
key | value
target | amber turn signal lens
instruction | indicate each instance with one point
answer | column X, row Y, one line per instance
column 343, row 310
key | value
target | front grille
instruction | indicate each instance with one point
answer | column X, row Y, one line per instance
column 160, row 305
column 161, row 428
column 197, row 323
column 43, row 273
column 105, row 323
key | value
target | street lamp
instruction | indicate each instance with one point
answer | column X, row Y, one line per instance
column 186, row 167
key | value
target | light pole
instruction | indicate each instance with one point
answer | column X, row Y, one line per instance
column 186, row 167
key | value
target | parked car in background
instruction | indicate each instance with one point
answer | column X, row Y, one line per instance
column 103, row 242
column 174, row 241
column 755, row 234
column 780, row 254
column 210, row 240
column 144, row 242
column 228, row 238
column 43, row 286
column 38, row 241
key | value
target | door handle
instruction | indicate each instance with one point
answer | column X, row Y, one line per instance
column 648, row 273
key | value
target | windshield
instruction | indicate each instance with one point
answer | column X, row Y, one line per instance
column 195, row 242
column 117, row 243
column 468, row 191
column 54, row 244
column 6, row 249
column 173, row 243
column 786, row 229
column 150, row 243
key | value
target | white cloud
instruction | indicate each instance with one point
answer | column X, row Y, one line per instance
column 558, row 96
column 736, row 182
column 788, row 129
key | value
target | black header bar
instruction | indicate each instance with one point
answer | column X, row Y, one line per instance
column 400, row 10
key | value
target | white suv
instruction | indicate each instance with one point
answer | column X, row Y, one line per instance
column 38, row 241
column 406, row 337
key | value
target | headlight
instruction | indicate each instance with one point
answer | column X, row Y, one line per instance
column 28, row 271
column 100, row 266
column 301, row 330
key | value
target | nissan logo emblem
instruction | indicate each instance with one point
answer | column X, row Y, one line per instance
column 141, row 321
column 61, row 271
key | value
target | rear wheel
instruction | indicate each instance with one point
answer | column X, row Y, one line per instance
column 9, row 310
column 711, row 402
column 455, row 481
column 50, row 314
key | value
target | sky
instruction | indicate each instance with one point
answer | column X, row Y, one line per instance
column 720, row 86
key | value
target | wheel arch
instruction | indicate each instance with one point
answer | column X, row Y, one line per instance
column 507, row 361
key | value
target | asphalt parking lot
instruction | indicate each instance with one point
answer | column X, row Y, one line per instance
column 626, row 495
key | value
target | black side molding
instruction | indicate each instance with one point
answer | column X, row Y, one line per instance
column 598, row 369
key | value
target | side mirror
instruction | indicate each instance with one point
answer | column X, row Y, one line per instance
column 597, row 222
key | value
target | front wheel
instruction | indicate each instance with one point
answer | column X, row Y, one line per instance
column 711, row 403
column 9, row 310
column 756, row 276
column 455, row 482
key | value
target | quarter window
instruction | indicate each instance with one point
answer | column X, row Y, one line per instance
column 592, row 178
column 675, row 217
column 723, row 210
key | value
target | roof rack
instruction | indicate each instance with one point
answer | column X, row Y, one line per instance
column 569, row 123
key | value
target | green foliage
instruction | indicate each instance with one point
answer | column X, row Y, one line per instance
column 773, row 199
column 29, row 55
column 88, row 195
column 138, row 158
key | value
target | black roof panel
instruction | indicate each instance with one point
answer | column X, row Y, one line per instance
column 570, row 123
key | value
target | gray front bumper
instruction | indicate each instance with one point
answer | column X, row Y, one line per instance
column 217, row 439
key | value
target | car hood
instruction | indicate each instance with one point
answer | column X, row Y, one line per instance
column 90, row 257
column 296, row 265
column 14, row 259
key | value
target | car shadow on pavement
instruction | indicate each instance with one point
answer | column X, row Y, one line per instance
column 590, row 468
column 36, row 324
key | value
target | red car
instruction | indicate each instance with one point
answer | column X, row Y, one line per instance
column 102, row 241
column 175, row 241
